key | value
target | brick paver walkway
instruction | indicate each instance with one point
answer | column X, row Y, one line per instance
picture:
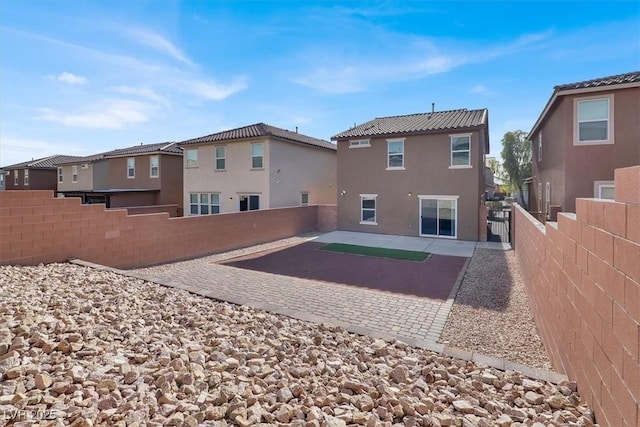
column 415, row 320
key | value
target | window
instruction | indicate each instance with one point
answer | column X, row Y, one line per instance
column 368, row 209
column 540, row 147
column 250, row 202
column 154, row 166
column 131, row 167
column 204, row 203
column 74, row 173
column 257, row 152
column 221, row 158
column 304, row 198
column 60, row 175
column 395, row 154
column 593, row 121
column 26, row 177
column 439, row 216
column 604, row 190
column 192, row 158
column 460, row 151
column 540, row 197
column 547, row 199
column 359, row 143
column 15, row 177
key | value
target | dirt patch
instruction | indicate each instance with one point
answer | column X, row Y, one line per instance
column 433, row 278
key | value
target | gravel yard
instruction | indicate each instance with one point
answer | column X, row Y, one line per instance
column 491, row 312
column 85, row 347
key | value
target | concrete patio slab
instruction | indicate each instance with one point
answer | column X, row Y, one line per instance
column 460, row 248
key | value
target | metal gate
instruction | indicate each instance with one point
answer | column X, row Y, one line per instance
column 498, row 225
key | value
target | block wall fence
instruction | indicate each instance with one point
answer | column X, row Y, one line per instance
column 582, row 275
column 37, row 228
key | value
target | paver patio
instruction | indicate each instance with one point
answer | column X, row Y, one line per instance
column 415, row 320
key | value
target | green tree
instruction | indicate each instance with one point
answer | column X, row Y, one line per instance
column 516, row 155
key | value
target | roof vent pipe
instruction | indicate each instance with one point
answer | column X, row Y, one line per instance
column 296, row 129
column 433, row 107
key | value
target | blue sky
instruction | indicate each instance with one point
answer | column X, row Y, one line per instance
column 84, row 77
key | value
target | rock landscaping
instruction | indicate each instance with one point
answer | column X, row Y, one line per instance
column 84, row 347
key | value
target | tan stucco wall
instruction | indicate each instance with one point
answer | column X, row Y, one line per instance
column 427, row 172
column 170, row 180
column 296, row 168
column 237, row 178
column 118, row 174
column 572, row 169
column 85, row 178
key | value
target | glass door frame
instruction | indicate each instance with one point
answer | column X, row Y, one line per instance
column 438, row 199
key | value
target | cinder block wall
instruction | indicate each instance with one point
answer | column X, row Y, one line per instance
column 37, row 228
column 583, row 280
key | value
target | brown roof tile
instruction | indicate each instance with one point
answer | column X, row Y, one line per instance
column 260, row 130
column 602, row 81
column 50, row 162
column 417, row 123
column 161, row 147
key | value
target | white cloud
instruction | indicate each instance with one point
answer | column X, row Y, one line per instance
column 144, row 92
column 110, row 114
column 72, row 79
column 214, row 91
column 481, row 90
column 159, row 43
column 338, row 81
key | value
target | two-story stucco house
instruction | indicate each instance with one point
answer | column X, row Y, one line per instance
column 257, row 167
column 414, row 175
column 586, row 131
column 38, row 174
column 142, row 175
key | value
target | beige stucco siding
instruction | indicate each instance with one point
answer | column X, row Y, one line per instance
column 85, row 178
column 237, row 178
column 296, row 168
column 428, row 172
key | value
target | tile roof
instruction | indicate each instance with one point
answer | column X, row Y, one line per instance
column 50, row 162
column 602, row 81
column 260, row 130
column 164, row 147
column 416, row 123
column 160, row 147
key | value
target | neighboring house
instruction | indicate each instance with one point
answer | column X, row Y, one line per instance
column 39, row 174
column 257, row 167
column 586, row 130
column 415, row 175
column 142, row 175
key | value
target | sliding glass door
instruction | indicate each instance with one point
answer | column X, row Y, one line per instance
column 438, row 216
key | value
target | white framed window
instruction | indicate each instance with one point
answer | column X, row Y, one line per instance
column 15, row 177
column 26, row 177
column 547, row 199
column 593, row 120
column 395, row 154
column 191, row 157
column 304, row 198
column 204, row 203
column 221, row 158
column 604, row 190
column 368, row 209
column 438, row 216
column 257, row 156
column 539, row 147
column 154, row 166
column 131, row 167
column 60, row 175
column 360, row 143
column 74, row 173
column 461, row 151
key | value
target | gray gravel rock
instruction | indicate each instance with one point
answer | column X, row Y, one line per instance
column 138, row 354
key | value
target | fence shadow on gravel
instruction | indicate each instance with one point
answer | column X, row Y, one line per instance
column 488, row 281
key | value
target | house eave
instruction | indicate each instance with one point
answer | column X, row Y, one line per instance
column 580, row 91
